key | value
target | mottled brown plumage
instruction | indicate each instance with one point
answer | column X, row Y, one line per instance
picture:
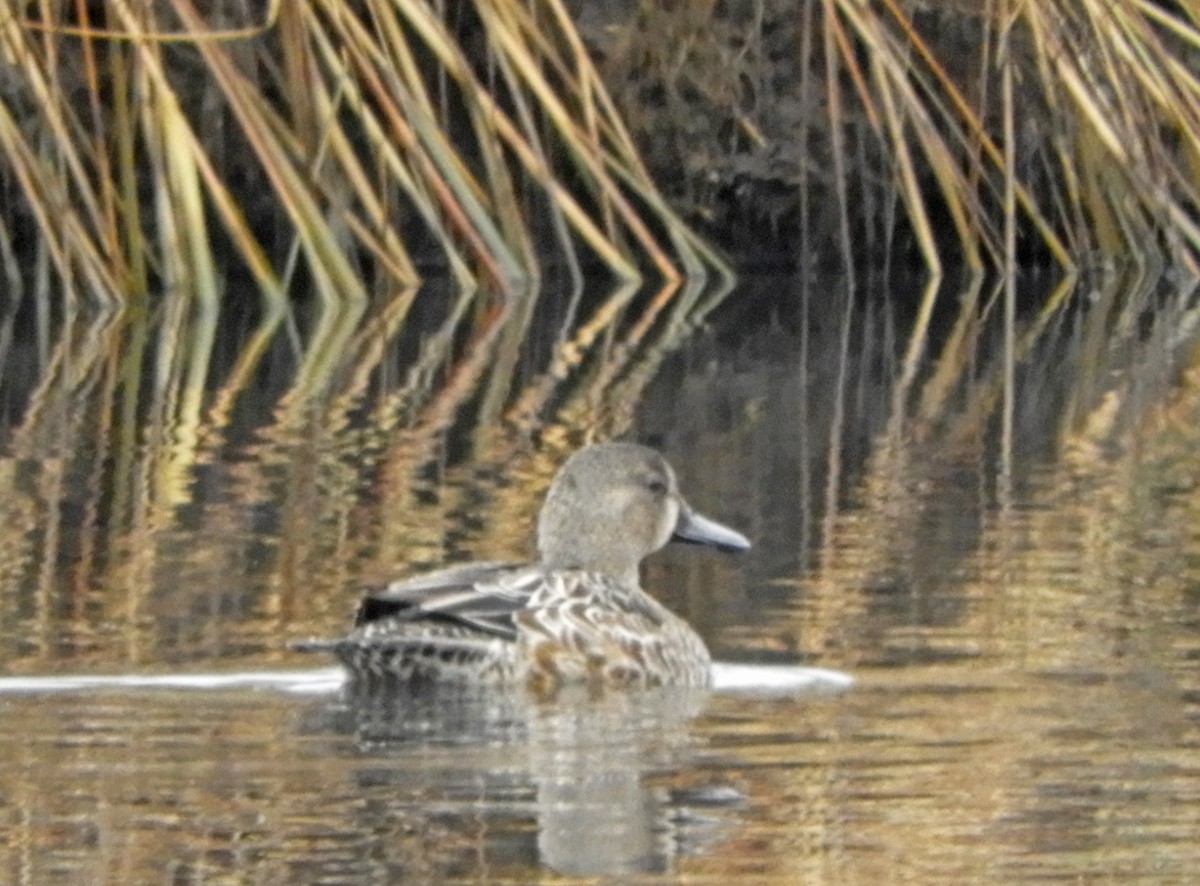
column 578, row 615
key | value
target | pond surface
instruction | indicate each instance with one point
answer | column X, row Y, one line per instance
column 1006, row 560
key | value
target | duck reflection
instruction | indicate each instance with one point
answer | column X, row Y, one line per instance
column 592, row 768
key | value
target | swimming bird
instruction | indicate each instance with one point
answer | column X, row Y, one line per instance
column 577, row 615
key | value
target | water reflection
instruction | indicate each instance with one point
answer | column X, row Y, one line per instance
column 1012, row 572
column 403, row 784
column 157, row 512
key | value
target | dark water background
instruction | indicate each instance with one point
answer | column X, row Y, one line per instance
column 1018, row 601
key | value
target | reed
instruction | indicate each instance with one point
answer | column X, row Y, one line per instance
column 350, row 145
column 896, row 115
column 342, row 145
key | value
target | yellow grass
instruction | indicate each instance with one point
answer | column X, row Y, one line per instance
column 352, row 129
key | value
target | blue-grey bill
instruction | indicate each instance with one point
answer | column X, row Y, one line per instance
column 698, row 529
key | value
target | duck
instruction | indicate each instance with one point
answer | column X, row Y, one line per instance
column 577, row 615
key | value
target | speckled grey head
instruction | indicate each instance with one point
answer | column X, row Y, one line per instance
column 611, row 504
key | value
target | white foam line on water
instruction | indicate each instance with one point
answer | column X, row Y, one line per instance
column 777, row 679
column 309, row 681
column 771, row 679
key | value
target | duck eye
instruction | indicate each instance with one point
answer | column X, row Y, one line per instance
column 657, row 485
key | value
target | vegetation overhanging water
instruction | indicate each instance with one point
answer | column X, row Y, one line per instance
column 226, row 401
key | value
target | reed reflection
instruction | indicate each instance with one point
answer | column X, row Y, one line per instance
column 1024, row 635
column 184, row 486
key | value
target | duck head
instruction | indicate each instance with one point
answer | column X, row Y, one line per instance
column 611, row 504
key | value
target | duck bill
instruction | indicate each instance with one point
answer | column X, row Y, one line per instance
column 697, row 529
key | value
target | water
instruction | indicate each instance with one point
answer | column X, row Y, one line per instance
column 1021, row 621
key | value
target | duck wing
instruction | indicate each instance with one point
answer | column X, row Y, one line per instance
column 482, row 596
